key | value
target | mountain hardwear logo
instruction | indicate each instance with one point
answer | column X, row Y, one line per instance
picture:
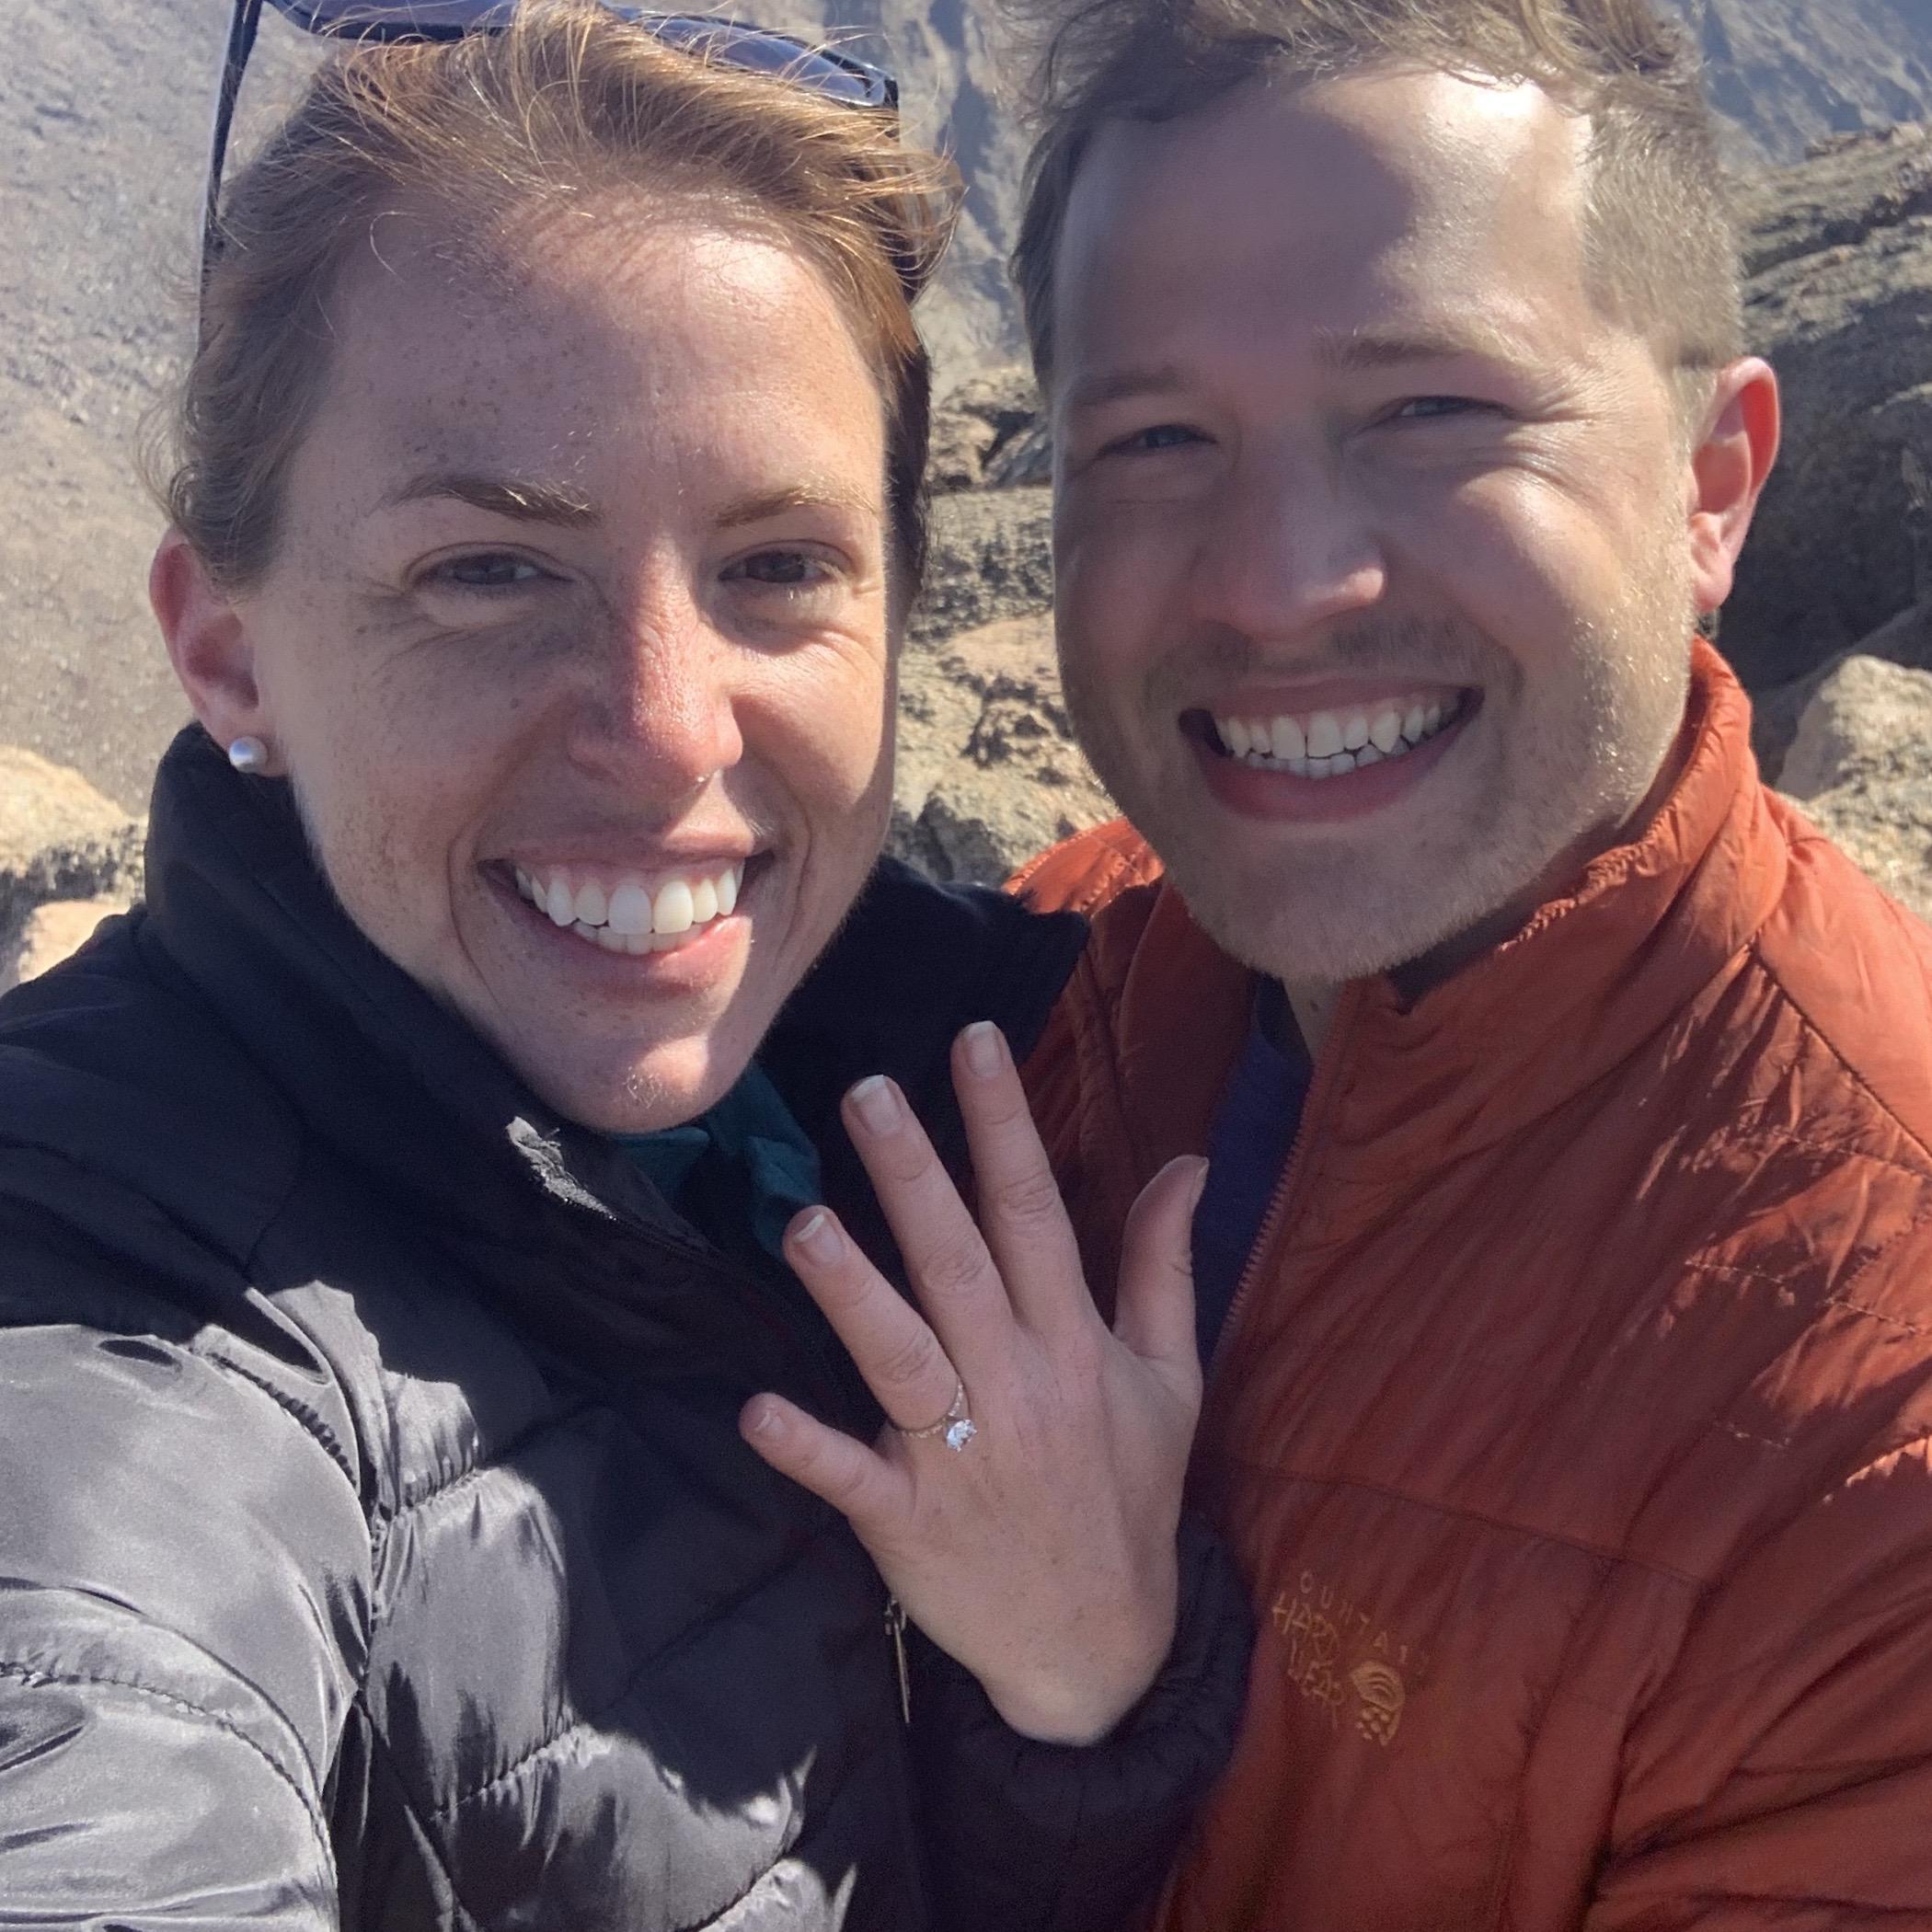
column 1345, row 1661
column 1383, row 1695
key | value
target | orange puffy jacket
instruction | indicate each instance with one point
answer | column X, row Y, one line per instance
column 1573, row 1419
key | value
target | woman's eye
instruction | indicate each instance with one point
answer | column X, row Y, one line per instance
column 488, row 571
column 781, row 570
column 1427, row 408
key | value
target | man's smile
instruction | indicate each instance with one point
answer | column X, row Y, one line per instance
column 1326, row 743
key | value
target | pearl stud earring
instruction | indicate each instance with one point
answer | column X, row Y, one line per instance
column 249, row 754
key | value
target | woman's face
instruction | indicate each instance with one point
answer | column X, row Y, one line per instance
column 577, row 643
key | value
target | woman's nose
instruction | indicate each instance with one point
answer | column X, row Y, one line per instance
column 1289, row 553
column 657, row 713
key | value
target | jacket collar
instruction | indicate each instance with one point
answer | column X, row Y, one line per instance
column 1589, row 978
column 390, row 1077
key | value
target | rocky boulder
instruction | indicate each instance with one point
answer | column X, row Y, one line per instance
column 69, row 858
column 60, row 839
column 50, row 934
column 991, row 558
column 1839, row 259
column 988, row 770
column 975, row 425
column 1861, row 766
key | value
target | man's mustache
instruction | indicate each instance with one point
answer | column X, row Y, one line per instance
column 1445, row 651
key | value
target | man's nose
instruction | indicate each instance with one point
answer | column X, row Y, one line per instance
column 1290, row 551
column 657, row 713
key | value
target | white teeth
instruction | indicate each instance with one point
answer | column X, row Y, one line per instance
column 1331, row 742
column 629, row 909
column 1324, row 735
column 627, row 918
column 673, row 911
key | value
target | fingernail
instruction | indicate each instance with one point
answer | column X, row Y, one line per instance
column 762, row 1419
column 984, row 1049
column 1200, row 1175
column 818, row 1234
column 877, row 1104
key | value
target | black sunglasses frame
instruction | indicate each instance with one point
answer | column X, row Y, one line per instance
column 783, row 55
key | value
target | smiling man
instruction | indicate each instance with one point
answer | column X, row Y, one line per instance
column 1565, row 1268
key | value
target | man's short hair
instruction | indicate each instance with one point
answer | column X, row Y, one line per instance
column 1663, row 241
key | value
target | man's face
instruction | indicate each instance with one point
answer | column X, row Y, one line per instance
column 1374, row 584
column 577, row 645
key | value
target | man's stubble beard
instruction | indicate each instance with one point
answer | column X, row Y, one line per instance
column 1321, row 913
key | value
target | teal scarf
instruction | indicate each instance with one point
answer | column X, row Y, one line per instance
column 738, row 1173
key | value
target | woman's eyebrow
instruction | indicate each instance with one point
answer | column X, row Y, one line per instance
column 528, row 499
column 816, row 493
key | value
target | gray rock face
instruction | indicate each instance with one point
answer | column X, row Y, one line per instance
column 988, row 770
column 1840, row 256
column 975, row 426
column 1786, row 73
column 992, row 557
column 1861, row 767
column 1869, row 723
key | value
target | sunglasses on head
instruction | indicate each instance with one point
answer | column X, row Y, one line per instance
column 758, row 49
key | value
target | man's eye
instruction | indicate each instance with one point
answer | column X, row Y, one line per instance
column 488, row 571
column 1160, row 436
column 780, row 570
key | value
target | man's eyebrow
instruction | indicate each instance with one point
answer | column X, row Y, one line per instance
column 1367, row 348
column 1112, row 385
column 527, row 500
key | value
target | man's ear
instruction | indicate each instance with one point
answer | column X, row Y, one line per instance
column 1727, row 471
column 207, row 643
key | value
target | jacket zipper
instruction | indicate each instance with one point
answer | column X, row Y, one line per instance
column 1288, row 1187
column 895, row 1632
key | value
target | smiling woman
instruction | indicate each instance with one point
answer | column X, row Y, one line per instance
column 431, row 1324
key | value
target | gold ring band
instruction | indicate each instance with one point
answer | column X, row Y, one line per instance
column 956, row 1427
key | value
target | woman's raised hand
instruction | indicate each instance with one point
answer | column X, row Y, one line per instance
column 1022, row 1504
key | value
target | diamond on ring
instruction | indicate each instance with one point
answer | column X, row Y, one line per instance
column 955, row 1428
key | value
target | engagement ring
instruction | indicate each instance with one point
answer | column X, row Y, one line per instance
column 955, row 1427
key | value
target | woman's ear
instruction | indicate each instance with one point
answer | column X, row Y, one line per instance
column 207, row 643
column 1729, row 469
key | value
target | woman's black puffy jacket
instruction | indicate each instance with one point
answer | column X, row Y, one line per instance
column 376, row 1542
